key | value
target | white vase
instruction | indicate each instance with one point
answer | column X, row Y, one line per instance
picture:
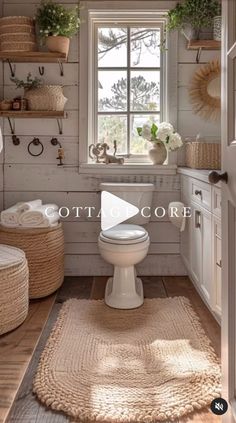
column 217, row 28
column 158, row 153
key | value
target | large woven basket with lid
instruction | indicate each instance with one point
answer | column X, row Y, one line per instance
column 14, row 288
column 44, row 249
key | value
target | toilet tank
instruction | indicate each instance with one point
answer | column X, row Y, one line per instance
column 140, row 195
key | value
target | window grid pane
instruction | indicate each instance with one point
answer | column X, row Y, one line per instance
column 146, row 104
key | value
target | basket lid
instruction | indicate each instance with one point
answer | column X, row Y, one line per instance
column 10, row 256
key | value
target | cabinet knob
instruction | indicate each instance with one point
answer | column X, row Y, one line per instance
column 198, row 192
column 214, row 177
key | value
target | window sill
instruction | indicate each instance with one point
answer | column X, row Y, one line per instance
column 127, row 169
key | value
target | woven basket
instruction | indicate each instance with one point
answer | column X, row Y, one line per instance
column 19, row 36
column 14, row 288
column 201, row 155
column 16, row 20
column 46, row 97
column 18, row 46
column 44, row 249
column 12, row 29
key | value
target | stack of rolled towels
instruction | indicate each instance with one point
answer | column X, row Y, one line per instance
column 31, row 214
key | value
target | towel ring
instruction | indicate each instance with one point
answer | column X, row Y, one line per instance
column 35, row 141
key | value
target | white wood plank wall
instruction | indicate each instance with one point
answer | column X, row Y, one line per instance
column 23, row 177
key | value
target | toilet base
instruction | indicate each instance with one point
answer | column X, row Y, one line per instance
column 124, row 290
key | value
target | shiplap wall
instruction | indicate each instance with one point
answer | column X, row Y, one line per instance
column 23, row 177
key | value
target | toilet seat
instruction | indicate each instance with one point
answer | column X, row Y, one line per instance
column 124, row 234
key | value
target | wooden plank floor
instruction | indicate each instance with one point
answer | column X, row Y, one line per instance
column 27, row 409
column 16, row 350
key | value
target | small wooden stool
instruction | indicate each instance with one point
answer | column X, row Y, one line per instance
column 14, row 288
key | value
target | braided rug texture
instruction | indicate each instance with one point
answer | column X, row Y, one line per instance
column 147, row 365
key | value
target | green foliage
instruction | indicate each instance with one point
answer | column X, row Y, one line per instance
column 139, row 130
column 197, row 13
column 55, row 19
column 29, row 84
column 154, row 129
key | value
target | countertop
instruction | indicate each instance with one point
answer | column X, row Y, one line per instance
column 201, row 174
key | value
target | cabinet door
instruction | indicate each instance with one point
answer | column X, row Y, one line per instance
column 196, row 245
column 206, row 231
column 216, row 277
column 185, row 243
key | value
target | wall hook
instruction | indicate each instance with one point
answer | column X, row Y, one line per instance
column 12, row 68
column 15, row 140
column 41, row 70
column 36, row 142
column 54, row 141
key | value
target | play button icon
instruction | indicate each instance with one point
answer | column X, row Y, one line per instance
column 114, row 210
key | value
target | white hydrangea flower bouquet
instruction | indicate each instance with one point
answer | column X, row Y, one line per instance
column 163, row 133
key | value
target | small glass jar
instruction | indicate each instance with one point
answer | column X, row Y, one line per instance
column 20, row 104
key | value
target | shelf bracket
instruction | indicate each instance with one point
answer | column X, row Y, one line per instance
column 61, row 68
column 12, row 125
column 60, row 126
column 12, row 68
column 199, row 52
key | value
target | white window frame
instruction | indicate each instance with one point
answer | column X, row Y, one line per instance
column 149, row 13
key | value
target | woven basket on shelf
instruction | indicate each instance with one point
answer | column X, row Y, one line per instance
column 14, row 288
column 18, row 46
column 202, row 155
column 46, row 97
column 17, row 37
column 12, row 29
column 16, row 20
column 44, row 249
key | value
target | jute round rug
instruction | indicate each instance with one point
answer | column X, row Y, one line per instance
column 146, row 365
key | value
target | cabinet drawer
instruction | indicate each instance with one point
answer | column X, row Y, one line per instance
column 201, row 193
column 216, row 201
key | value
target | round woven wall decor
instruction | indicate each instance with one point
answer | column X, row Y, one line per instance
column 204, row 91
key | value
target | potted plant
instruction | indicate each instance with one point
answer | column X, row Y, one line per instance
column 57, row 25
column 41, row 96
column 163, row 139
column 191, row 16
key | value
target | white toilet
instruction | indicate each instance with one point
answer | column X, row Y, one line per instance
column 126, row 245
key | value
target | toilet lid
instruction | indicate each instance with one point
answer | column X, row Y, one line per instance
column 124, row 234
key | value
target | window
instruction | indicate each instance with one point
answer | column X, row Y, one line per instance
column 128, row 83
column 126, row 79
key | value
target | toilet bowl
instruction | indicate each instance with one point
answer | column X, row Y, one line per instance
column 125, row 245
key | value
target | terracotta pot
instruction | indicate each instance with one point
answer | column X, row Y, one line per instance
column 158, row 153
column 58, row 44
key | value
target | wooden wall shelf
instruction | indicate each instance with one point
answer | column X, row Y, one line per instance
column 200, row 45
column 204, row 45
column 32, row 114
column 33, row 56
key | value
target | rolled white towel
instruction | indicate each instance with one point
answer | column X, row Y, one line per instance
column 30, row 205
column 10, row 217
column 41, row 217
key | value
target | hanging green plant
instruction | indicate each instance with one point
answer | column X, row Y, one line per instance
column 191, row 16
